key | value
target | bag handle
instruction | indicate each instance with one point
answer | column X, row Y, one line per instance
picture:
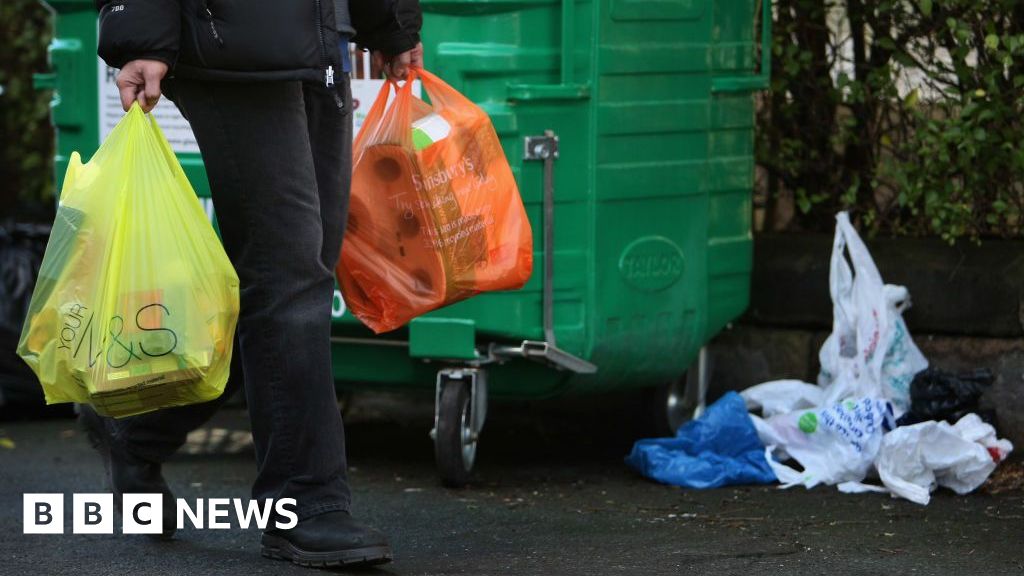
column 374, row 116
column 840, row 278
column 442, row 95
column 863, row 265
column 389, row 125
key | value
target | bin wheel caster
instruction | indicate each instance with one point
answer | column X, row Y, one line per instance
column 681, row 400
column 459, row 415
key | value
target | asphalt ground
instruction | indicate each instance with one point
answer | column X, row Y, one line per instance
column 550, row 496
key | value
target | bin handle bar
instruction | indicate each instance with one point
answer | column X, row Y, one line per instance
column 762, row 80
column 566, row 89
column 568, row 39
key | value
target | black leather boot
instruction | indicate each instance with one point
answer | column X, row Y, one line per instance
column 329, row 539
column 127, row 474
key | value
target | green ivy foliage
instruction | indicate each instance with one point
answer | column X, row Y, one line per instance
column 908, row 113
column 26, row 144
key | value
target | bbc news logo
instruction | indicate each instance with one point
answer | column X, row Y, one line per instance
column 142, row 513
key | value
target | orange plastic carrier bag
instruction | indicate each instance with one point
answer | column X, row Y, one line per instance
column 435, row 214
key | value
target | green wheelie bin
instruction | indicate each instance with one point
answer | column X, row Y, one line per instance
column 629, row 128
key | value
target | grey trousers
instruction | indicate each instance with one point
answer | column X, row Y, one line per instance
column 279, row 159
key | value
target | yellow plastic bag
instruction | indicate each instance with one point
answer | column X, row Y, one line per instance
column 136, row 302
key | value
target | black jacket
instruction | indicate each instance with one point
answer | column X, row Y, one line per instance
column 250, row 39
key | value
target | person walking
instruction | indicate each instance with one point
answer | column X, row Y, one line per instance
column 264, row 86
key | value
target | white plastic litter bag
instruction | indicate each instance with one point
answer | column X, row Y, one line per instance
column 869, row 353
column 833, row 445
column 914, row 460
column 782, row 396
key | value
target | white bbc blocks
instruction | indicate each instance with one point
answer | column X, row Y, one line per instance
column 90, row 514
column 43, row 513
column 142, row 513
column 93, row 514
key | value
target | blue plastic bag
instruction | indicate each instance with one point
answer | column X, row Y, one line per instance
column 720, row 448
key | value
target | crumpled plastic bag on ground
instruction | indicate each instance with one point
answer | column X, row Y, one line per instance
column 834, row 430
column 718, row 449
column 869, row 352
column 939, row 395
column 833, row 445
column 914, row 460
column 782, row 396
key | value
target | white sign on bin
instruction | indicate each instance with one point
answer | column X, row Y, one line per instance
column 174, row 126
column 179, row 133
